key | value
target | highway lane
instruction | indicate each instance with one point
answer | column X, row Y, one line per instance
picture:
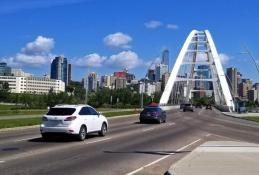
column 129, row 147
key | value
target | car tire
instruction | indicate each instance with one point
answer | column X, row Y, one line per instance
column 183, row 110
column 45, row 136
column 160, row 121
column 103, row 130
column 82, row 133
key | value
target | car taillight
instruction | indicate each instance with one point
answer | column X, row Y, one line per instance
column 71, row 118
column 44, row 119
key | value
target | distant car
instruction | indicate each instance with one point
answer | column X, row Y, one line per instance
column 188, row 107
column 182, row 105
column 74, row 120
column 209, row 107
column 198, row 105
column 151, row 113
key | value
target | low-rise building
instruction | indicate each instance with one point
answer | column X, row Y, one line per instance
column 38, row 85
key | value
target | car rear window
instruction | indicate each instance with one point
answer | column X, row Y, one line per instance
column 151, row 110
column 61, row 111
column 187, row 104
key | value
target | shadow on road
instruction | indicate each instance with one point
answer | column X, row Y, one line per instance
column 60, row 139
column 148, row 152
column 10, row 149
column 147, row 122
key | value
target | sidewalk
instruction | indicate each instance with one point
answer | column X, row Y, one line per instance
column 240, row 115
column 219, row 157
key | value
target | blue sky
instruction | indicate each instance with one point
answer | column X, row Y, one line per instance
column 108, row 35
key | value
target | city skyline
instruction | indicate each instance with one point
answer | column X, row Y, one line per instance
column 105, row 42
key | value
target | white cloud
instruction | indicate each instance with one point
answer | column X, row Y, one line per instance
column 151, row 64
column 153, row 24
column 117, row 40
column 172, row 26
column 224, row 58
column 33, row 54
column 40, row 46
column 91, row 60
column 124, row 59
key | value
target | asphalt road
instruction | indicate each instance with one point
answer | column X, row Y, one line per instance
column 129, row 147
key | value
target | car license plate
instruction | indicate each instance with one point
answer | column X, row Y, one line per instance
column 54, row 122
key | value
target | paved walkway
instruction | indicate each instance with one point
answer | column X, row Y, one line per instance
column 220, row 157
column 240, row 115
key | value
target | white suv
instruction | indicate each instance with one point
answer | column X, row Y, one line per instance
column 73, row 119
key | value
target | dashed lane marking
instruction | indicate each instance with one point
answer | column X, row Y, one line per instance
column 170, row 124
column 25, row 139
column 148, row 129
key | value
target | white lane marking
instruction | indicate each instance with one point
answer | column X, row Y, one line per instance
column 199, row 113
column 162, row 158
column 2, row 161
column 99, row 140
column 208, row 135
column 148, row 129
column 170, row 124
column 25, row 139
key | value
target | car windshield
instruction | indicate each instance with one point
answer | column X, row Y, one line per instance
column 61, row 111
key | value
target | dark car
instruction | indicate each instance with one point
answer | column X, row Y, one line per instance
column 152, row 114
column 198, row 105
column 182, row 105
column 188, row 107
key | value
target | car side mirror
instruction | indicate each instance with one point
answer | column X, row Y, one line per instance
column 100, row 113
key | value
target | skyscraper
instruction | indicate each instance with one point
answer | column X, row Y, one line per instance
column 161, row 69
column 92, row 82
column 4, row 69
column 165, row 58
column 151, row 74
column 232, row 79
column 244, row 87
column 59, row 69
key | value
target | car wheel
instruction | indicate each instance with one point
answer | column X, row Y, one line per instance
column 45, row 136
column 160, row 120
column 141, row 121
column 103, row 130
column 183, row 110
column 82, row 133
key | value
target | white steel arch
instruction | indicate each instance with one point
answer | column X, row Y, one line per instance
column 220, row 86
column 169, row 85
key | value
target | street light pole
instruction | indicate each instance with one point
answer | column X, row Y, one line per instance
column 141, row 101
column 247, row 51
column 86, row 86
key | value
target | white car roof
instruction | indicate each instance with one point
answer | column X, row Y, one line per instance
column 70, row 106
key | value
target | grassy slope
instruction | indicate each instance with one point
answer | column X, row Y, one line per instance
column 255, row 119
